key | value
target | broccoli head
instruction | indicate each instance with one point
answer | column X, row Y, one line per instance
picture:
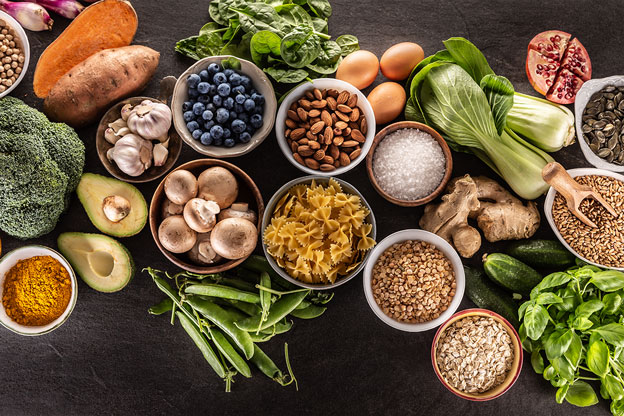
column 40, row 166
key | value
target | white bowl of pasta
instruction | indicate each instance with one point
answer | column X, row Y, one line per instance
column 318, row 232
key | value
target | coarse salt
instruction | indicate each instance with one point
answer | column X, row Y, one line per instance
column 409, row 164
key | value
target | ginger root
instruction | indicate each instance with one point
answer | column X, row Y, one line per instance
column 499, row 214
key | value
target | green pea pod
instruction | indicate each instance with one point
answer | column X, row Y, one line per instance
column 260, row 264
column 238, row 284
column 161, row 307
column 247, row 308
column 265, row 364
column 278, row 311
column 304, row 304
column 260, row 337
column 220, row 291
column 310, row 312
column 220, row 317
column 279, row 328
column 165, row 287
column 265, row 297
column 201, row 342
column 228, row 351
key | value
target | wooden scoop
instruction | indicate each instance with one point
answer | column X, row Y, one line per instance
column 574, row 193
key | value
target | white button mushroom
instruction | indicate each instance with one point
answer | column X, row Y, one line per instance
column 234, row 238
column 239, row 210
column 201, row 215
column 175, row 235
column 169, row 209
column 218, row 184
column 115, row 208
column 202, row 252
column 180, row 186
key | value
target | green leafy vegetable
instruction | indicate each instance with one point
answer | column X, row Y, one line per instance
column 300, row 47
column 348, row 44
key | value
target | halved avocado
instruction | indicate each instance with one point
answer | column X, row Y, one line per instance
column 93, row 189
column 101, row 261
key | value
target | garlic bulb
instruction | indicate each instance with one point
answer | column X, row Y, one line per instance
column 150, row 120
column 132, row 154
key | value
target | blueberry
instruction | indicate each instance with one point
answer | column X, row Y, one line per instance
column 256, row 120
column 208, row 125
column 213, row 68
column 244, row 117
column 192, row 80
column 238, row 126
column 257, row 110
column 245, row 81
column 217, row 100
column 249, row 104
column 235, row 79
column 207, row 115
column 249, row 129
column 258, row 98
column 240, row 99
column 187, row 105
column 216, row 132
column 217, row 142
column 203, row 87
column 188, row 116
column 229, row 72
column 229, row 142
column 212, row 90
column 224, row 89
column 211, row 107
column 222, row 115
column 193, row 93
column 219, row 78
column 228, row 103
column 253, row 91
column 198, row 108
column 233, row 115
column 244, row 137
column 239, row 108
column 204, row 75
column 238, row 90
column 206, row 139
column 192, row 126
column 204, row 99
column 197, row 134
column 227, row 133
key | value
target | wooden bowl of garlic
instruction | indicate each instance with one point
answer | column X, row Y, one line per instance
column 136, row 140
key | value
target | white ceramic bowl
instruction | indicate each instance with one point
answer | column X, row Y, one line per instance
column 324, row 83
column 260, row 82
column 440, row 244
column 23, row 44
column 9, row 260
column 550, row 197
column 582, row 98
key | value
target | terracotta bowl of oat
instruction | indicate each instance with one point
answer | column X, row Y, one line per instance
column 511, row 376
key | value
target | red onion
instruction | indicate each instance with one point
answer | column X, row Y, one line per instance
column 66, row 8
column 31, row 16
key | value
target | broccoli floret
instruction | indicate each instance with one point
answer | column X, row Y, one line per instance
column 40, row 166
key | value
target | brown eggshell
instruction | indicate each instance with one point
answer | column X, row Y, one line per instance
column 359, row 69
column 398, row 60
column 388, row 101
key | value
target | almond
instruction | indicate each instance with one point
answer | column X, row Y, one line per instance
column 287, row 133
column 358, row 136
column 311, row 163
column 338, row 140
column 311, row 136
column 350, row 143
column 298, row 158
column 334, row 152
column 334, row 118
column 343, row 108
column 314, row 113
column 332, row 103
column 352, row 101
column 296, row 134
column 354, row 154
column 327, row 141
column 317, row 94
column 337, row 131
column 355, row 114
column 291, row 124
column 293, row 107
column 327, row 118
column 304, row 103
column 294, row 146
column 314, row 145
column 309, row 94
column 346, row 132
column 336, row 164
column 303, row 115
column 332, row 93
column 326, row 167
column 313, row 120
column 343, row 97
column 329, row 133
column 363, row 125
column 303, row 141
column 341, row 125
column 293, row 115
column 328, row 159
column 317, row 127
column 305, row 151
column 319, row 103
column 319, row 155
column 344, row 159
column 342, row 116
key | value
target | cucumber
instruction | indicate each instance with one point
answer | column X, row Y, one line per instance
column 486, row 295
column 511, row 273
column 549, row 254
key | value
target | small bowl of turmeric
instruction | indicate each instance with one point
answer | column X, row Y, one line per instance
column 38, row 289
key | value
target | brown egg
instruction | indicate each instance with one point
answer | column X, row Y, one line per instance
column 388, row 101
column 398, row 61
column 359, row 69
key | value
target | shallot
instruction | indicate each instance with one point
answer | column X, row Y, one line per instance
column 30, row 15
column 66, row 8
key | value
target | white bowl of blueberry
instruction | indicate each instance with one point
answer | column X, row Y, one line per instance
column 221, row 111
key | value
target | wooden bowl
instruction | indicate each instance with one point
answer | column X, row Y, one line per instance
column 247, row 192
column 424, row 128
column 516, row 366
column 102, row 146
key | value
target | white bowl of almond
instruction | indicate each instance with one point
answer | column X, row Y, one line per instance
column 414, row 280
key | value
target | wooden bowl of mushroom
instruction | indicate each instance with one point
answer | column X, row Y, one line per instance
column 205, row 216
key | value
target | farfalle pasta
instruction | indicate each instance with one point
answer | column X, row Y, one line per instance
column 318, row 233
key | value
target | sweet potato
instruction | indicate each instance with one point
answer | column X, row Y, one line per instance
column 89, row 88
column 103, row 25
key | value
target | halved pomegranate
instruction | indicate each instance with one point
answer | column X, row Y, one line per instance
column 566, row 86
column 557, row 67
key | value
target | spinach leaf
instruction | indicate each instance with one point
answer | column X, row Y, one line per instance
column 259, row 16
column 535, row 321
column 241, row 49
column 500, row 95
column 213, row 10
column 348, row 44
column 209, row 44
column 263, row 44
column 300, row 47
column 469, row 57
column 231, row 63
column 613, row 387
column 187, row 47
column 320, row 25
column 225, row 8
column 608, row 280
column 285, row 75
column 581, row 394
column 294, row 15
column 598, row 358
column 612, row 333
column 328, row 60
column 557, row 343
column 321, row 8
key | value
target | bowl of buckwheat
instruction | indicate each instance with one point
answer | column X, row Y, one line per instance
column 14, row 53
column 477, row 355
column 414, row 280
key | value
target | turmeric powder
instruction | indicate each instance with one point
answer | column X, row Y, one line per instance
column 36, row 291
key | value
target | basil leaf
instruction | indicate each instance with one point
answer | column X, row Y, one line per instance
column 617, row 407
column 603, row 392
column 557, row 343
column 554, row 280
column 585, row 309
column 547, row 298
column 500, row 94
column 581, row 394
column 535, row 321
column 537, row 361
column 561, row 393
column 469, row 57
column 523, row 307
column 581, row 323
column 575, row 350
column 563, row 367
column 348, row 44
column 569, row 299
column 613, row 387
column 612, row 333
column 612, row 302
column 608, row 280
column 549, row 373
column 598, row 358
column 188, row 47
column 300, row 47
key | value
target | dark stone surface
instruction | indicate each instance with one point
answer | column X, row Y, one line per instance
column 111, row 357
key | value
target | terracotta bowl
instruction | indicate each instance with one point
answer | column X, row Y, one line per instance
column 513, row 373
column 424, row 128
column 102, row 146
column 247, row 192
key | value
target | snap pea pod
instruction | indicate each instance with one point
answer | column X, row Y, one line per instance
column 221, row 291
column 220, row 317
column 161, row 307
column 247, row 308
column 228, row 351
column 201, row 342
column 265, row 298
column 311, row 312
column 265, row 364
column 260, row 337
column 260, row 264
column 165, row 287
column 278, row 311
column 238, row 284
column 236, row 315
